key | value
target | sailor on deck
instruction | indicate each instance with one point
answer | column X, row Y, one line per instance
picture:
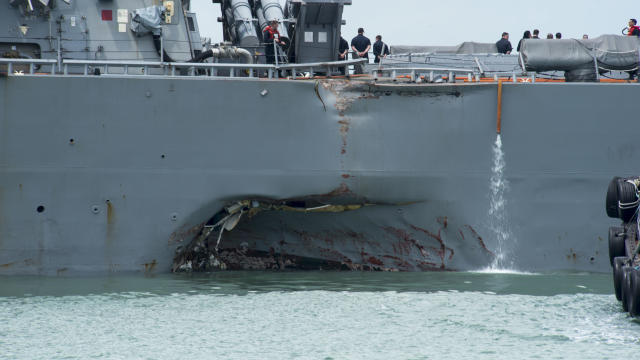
column 343, row 49
column 527, row 35
column 504, row 45
column 271, row 35
column 360, row 46
column 343, row 52
column 634, row 29
column 380, row 50
column 536, row 34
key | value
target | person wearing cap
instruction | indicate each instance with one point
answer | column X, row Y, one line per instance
column 271, row 35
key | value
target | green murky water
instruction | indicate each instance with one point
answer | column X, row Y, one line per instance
column 316, row 315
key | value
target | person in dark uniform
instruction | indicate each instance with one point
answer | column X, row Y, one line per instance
column 536, row 34
column 527, row 35
column 380, row 50
column 343, row 49
column 558, row 35
column 360, row 46
column 270, row 35
column 504, row 45
column 343, row 52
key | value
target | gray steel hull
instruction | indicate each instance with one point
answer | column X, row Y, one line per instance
column 153, row 158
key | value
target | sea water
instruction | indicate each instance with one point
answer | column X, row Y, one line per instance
column 316, row 315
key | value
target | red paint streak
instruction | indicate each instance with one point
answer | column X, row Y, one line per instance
column 333, row 255
column 428, row 266
column 438, row 237
column 375, row 261
column 312, row 240
column 479, row 239
column 406, row 241
column 392, row 257
column 399, row 233
column 344, row 129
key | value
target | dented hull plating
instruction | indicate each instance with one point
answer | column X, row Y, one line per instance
column 114, row 174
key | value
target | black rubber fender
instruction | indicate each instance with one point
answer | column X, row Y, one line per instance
column 626, row 287
column 626, row 194
column 616, row 243
column 634, row 293
column 618, row 263
column 611, row 203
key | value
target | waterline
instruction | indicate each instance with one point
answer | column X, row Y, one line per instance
column 491, row 270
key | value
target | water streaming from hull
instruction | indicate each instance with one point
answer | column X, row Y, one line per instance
column 498, row 219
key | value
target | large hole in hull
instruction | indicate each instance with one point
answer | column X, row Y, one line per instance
column 345, row 234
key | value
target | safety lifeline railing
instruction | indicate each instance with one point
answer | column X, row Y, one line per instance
column 124, row 67
column 37, row 67
column 34, row 65
column 431, row 71
column 167, row 69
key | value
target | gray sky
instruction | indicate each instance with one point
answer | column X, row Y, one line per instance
column 450, row 22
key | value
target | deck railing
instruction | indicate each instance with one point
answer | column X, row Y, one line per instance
column 34, row 65
column 124, row 68
column 431, row 71
column 45, row 67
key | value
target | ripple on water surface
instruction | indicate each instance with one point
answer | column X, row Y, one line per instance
column 316, row 315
